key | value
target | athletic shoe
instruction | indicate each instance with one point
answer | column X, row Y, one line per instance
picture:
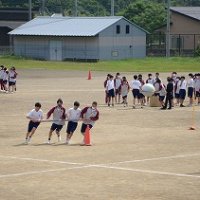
column 48, row 142
column 68, row 142
column 182, row 105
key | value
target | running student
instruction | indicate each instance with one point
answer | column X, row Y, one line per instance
column 89, row 115
column 35, row 116
column 58, row 120
column 124, row 90
column 73, row 116
column 117, row 84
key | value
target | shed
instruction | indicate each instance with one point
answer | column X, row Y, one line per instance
column 79, row 38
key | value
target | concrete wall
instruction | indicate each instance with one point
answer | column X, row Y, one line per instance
column 122, row 46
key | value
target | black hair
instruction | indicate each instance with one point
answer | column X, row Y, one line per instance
column 94, row 103
column 38, row 105
column 157, row 73
column 135, row 77
column 158, row 80
column 169, row 79
column 60, row 101
column 182, row 77
column 76, row 103
column 117, row 74
column 191, row 75
column 149, row 74
column 174, row 73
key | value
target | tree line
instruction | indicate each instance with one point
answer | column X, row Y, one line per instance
column 149, row 14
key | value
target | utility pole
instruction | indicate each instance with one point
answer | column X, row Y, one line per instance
column 76, row 8
column 30, row 9
column 112, row 7
column 168, row 30
column 43, row 7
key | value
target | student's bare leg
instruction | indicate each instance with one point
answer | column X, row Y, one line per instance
column 112, row 101
column 32, row 132
column 133, row 102
column 50, row 134
column 59, row 136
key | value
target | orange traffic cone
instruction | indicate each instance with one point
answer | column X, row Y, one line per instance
column 89, row 75
column 87, row 136
column 192, row 128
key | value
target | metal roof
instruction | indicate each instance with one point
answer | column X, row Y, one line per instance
column 193, row 12
column 66, row 26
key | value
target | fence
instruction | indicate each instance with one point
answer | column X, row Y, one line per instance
column 180, row 44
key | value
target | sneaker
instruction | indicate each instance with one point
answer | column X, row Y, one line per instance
column 48, row 142
column 163, row 108
column 67, row 142
column 182, row 105
column 59, row 138
column 169, row 108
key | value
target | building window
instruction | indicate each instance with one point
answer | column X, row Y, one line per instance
column 118, row 29
column 127, row 29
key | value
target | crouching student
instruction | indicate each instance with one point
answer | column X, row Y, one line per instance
column 89, row 116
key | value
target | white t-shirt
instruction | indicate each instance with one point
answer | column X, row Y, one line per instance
column 5, row 76
column 183, row 85
column 118, row 83
column 34, row 115
column 12, row 76
column 150, row 81
column 110, row 85
column 1, row 73
column 190, row 83
column 178, row 87
column 135, row 84
column 197, row 85
column 74, row 115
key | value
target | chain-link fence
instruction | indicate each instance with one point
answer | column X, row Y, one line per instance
column 180, row 44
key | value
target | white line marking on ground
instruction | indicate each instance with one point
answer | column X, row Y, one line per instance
column 63, row 90
column 42, row 171
column 154, row 159
column 42, row 160
column 146, row 171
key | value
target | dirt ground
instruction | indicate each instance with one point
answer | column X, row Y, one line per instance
column 141, row 154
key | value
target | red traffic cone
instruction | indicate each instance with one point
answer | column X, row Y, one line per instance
column 89, row 75
column 87, row 136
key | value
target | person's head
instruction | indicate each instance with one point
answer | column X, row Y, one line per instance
column 94, row 105
column 5, row 69
column 76, row 105
column 124, row 79
column 38, row 106
column 135, row 77
column 111, row 77
column 59, row 102
column 174, row 74
column 178, row 78
column 182, row 78
column 13, row 68
column 108, row 76
column 140, row 76
column 149, row 76
column 157, row 74
column 117, row 75
column 169, row 79
column 191, row 75
column 2, row 67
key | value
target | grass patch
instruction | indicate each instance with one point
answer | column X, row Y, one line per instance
column 148, row 64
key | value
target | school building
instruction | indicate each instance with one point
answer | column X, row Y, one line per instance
column 79, row 38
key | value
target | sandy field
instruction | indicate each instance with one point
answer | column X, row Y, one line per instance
column 137, row 154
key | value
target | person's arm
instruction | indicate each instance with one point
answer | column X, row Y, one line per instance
column 83, row 112
column 50, row 112
column 96, row 117
column 64, row 114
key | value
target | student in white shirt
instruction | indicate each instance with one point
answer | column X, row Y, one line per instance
column 182, row 92
column 190, row 85
column 197, row 88
column 110, row 88
column 177, row 90
column 136, row 87
column 5, row 79
column 73, row 116
column 117, row 83
column 35, row 116
column 12, row 79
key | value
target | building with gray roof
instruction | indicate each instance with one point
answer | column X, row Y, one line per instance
column 79, row 38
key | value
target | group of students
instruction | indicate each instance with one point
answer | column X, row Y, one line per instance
column 88, row 116
column 177, row 88
column 8, row 79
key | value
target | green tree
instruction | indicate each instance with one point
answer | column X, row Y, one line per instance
column 149, row 15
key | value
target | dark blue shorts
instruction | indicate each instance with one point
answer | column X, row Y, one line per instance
column 84, row 126
column 71, row 127
column 161, row 98
column 32, row 125
column 117, row 91
column 182, row 94
column 111, row 93
column 56, row 127
column 11, row 83
column 5, row 82
column 190, row 92
column 197, row 94
column 136, row 93
column 177, row 95
column 141, row 96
